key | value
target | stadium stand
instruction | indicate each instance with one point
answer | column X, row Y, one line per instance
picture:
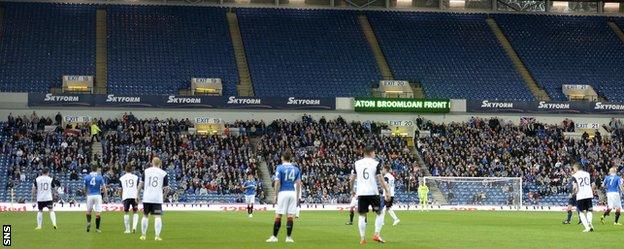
column 538, row 153
column 619, row 22
column 158, row 49
column 307, row 53
column 451, row 55
column 568, row 50
column 41, row 42
column 201, row 169
column 326, row 149
column 209, row 169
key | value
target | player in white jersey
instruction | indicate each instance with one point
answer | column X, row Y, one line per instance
column 389, row 178
column 354, row 203
column 154, row 185
column 368, row 175
column 584, row 195
column 42, row 189
column 300, row 198
column 130, row 197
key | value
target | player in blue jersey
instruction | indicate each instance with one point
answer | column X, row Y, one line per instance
column 94, row 187
column 614, row 185
column 571, row 202
column 250, row 187
column 288, row 184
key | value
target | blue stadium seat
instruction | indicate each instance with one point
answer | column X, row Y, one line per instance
column 158, row 49
column 307, row 53
column 561, row 50
column 42, row 42
column 451, row 55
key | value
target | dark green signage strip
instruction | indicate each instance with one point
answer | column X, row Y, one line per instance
column 402, row 105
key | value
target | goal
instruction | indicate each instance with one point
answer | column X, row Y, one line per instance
column 476, row 191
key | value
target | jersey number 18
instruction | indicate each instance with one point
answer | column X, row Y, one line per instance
column 153, row 181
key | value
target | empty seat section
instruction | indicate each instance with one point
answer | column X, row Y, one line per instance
column 568, row 50
column 41, row 42
column 451, row 55
column 158, row 49
column 307, row 53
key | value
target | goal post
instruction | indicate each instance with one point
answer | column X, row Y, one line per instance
column 476, row 191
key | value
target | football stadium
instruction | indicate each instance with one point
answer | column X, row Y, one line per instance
column 311, row 123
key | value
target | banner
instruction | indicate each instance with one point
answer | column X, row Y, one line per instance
column 112, row 100
column 607, row 108
column 546, row 107
column 306, row 103
column 559, row 107
column 48, row 99
column 174, row 101
column 402, row 105
column 118, row 207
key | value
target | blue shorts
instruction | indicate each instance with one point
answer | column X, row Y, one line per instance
column 572, row 201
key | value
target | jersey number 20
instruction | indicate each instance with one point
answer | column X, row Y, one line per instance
column 584, row 181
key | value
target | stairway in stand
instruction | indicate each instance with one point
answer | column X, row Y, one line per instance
column 96, row 149
column 1, row 20
column 245, row 87
column 617, row 29
column 436, row 194
column 382, row 63
column 101, row 53
column 264, row 173
column 538, row 92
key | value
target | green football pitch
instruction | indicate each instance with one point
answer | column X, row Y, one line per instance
column 325, row 230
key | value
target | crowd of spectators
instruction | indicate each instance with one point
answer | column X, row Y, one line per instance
column 325, row 150
column 197, row 164
column 30, row 147
column 541, row 154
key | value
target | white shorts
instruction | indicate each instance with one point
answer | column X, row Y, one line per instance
column 94, row 203
column 614, row 201
column 250, row 199
column 286, row 203
column 354, row 202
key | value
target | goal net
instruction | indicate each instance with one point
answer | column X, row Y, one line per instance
column 476, row 191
